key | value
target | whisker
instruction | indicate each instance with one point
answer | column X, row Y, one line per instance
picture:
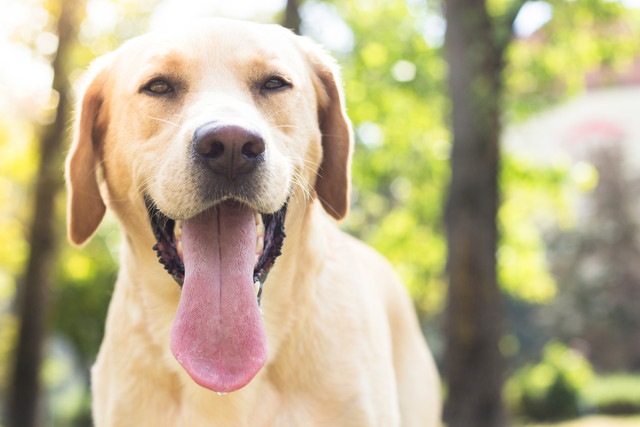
column 307, row 163
column 286, row 126
column 142, row 188
column 327, row 205
column 165, row 121
column 273, row 113
column 301, row 182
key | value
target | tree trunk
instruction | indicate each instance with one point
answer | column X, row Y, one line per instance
column 474, row 367
column 292, row 16
column 23, row 407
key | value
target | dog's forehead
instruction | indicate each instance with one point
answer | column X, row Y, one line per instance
column 214, row 44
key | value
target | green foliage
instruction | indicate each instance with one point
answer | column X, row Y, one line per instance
column 16, row 167
column 86, row 277
column 534, row 197
column 394, row 90
column 83, row 278
column 613, row 394
column 400, row 167
column 552, row 65
column 550, row 390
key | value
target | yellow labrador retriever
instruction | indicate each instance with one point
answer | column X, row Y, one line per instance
column 223, row 149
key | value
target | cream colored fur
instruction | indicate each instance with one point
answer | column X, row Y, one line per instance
column 345, row 348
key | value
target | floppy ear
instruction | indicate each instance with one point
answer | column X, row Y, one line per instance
column 334, row 176
column 85, row 207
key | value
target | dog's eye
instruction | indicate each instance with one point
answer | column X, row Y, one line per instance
column 275, row 83
column 158, row 87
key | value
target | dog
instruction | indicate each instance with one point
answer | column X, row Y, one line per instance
column 223, row 149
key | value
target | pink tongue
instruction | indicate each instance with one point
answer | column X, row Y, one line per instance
column 217, row 335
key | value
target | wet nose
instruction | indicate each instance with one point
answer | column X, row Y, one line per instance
column 229, row 149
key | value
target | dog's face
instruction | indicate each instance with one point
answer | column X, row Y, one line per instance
column 221, row 110
column 202, row 132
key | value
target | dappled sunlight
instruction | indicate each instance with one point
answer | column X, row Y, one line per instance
column 568, row 179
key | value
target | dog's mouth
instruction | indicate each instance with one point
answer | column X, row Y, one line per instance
column 220, row 258
column 168, row 234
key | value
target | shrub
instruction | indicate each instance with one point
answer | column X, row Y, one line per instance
column 550, row 390
column 613, row 394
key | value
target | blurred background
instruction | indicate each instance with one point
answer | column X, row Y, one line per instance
column 554, row 98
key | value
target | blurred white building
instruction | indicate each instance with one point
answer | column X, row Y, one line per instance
column 607, row 113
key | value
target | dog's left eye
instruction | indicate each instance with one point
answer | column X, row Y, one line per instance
column 158, row 87
column 275, row 83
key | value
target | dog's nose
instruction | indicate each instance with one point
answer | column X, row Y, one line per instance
column 229, row 149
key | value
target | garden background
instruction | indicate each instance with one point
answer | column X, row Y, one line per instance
column 511, row 126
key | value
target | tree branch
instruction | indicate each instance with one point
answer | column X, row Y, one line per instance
column 503, row 31
column 292, row 18
column 503, row 26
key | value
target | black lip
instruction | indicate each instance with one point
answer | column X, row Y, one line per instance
column 163, row 230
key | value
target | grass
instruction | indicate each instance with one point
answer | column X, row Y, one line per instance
column 596, row 421
column 613, row 394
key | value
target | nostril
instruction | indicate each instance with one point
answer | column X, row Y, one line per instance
column 209, row 148
column 253, row 150
column 215, row 150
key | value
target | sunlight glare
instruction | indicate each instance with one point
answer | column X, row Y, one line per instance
column 169, row 12
column 532, row 17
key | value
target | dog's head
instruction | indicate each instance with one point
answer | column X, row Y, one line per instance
column 222, row 110
column 206, row 132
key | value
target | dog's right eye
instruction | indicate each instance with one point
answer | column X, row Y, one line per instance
column 158, row 87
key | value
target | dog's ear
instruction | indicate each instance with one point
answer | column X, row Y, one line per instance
column 85, row 207
column 333, row 184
